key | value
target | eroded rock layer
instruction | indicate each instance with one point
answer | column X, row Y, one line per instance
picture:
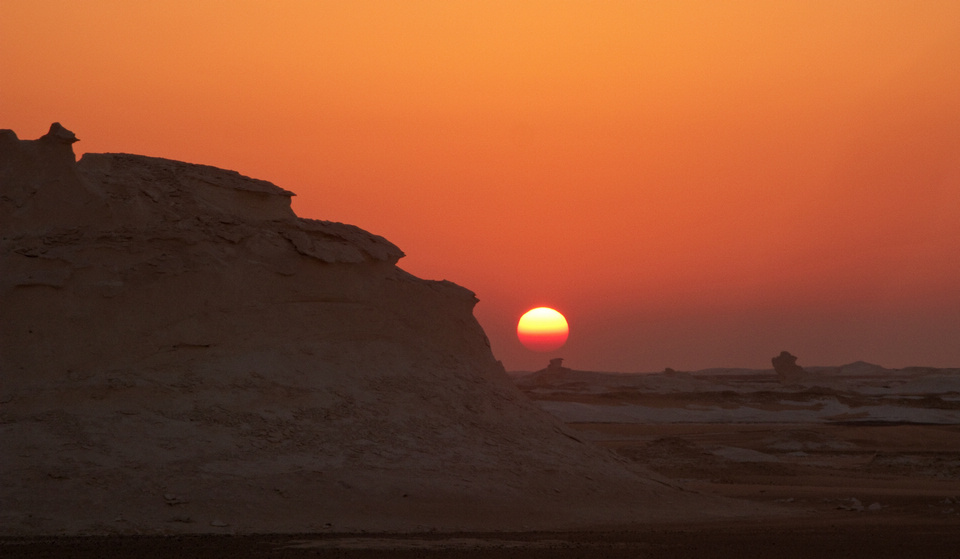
column 182, row 353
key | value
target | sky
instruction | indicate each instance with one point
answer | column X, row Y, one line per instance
column 692, row 184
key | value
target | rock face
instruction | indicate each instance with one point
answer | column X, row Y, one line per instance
column 182, row 353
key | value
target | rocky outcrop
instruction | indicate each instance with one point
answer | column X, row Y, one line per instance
column 788, row 372
column 181, row 353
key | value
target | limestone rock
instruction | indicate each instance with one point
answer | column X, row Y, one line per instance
column 787, row 369
column 176, row 330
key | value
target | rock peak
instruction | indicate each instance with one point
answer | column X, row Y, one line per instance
column 60, row 135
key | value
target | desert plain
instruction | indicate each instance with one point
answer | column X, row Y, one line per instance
column 851, row 444
column 853, row 461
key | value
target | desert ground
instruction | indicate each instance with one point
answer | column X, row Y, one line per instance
column 853, row 483
column 858, row 441
column 824, row 539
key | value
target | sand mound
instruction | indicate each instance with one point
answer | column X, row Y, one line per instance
column 182, row 353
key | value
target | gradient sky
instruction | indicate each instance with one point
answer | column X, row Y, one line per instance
column 693, row 184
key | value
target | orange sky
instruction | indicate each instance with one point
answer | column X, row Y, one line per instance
column 692, row 184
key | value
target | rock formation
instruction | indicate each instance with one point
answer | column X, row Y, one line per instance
column 787, row 369
column 181, row 353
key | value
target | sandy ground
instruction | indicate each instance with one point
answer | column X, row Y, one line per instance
column 873, row 447
column 886, row 474
column 875, row 490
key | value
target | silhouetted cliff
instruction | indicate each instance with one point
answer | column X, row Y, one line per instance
column 181, row 352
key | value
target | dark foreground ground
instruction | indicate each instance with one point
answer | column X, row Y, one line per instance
column 782, row 540
column 872, row 491
column 856, row 490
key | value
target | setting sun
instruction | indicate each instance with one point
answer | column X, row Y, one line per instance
column 542, row 329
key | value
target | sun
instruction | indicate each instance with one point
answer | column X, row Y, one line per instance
column 543, row 329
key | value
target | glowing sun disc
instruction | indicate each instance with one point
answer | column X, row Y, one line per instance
column 543, row 329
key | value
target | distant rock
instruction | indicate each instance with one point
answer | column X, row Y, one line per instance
column 861, row 368
column 788, row 372
column 554, row 373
